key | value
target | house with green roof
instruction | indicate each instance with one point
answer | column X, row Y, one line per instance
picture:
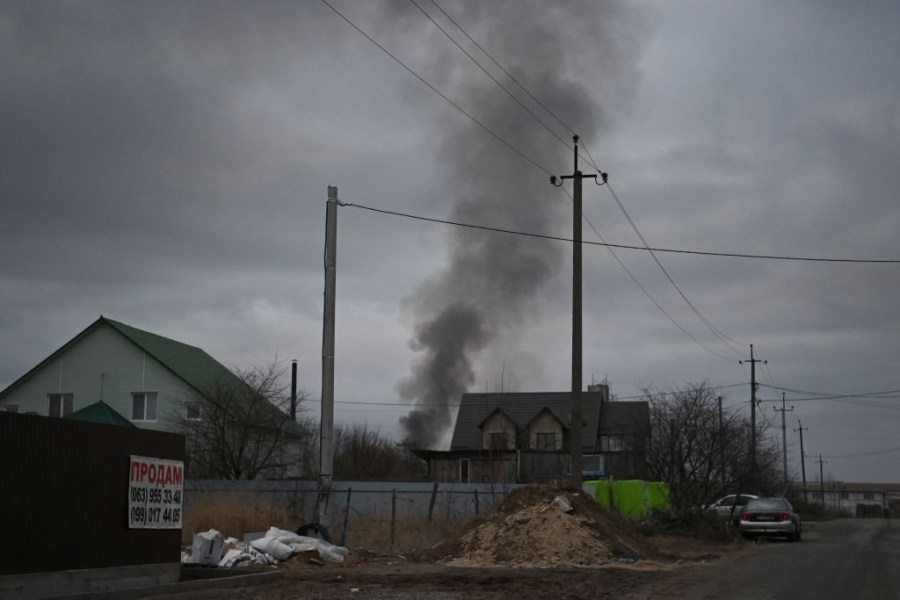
column 152, row 381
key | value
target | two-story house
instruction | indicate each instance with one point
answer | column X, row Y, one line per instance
column 526, row 437
column 149, row 380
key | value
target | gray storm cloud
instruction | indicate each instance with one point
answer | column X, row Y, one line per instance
column 491, row 281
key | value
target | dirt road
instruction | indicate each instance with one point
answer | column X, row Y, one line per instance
column 376, row 578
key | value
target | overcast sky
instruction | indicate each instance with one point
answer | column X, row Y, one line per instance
column 166, row 164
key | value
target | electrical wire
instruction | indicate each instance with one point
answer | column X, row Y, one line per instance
column 438, row 92
column 505, row 72
column 511, row 399
column 861, row 454
column 564, row 142
column 716, row 331
column 647, row 293
column 605, row 244
column 831, row 396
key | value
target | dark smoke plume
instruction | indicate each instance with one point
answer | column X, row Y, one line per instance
column 491, row 281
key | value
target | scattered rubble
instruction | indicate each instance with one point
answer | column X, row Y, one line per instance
column 277, row 545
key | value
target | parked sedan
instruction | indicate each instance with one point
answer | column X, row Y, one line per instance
column 770, row 517
column 729, row 505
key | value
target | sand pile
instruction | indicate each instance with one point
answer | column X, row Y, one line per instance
column 529, row 529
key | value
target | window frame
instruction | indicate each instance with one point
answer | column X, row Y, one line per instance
column 188, row 407
column 502, row 436
column 144, row 396
column 468, row 470
column 621, row 442
column 65, row 399
column 541, row 439
column 9, row 408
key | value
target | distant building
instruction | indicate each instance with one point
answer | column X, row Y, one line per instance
column 526, row 437
column 858, row 499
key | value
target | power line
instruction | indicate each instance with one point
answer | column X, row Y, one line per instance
column 713, row 387
column 643, row 289
column 718, row 333
column 860, row 454
column 485, row 71
column 832, row 396
column 610, row 245
column 507, row 73
column 510, row 399
column 437, row 91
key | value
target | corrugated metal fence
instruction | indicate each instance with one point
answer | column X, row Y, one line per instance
column 64, row 495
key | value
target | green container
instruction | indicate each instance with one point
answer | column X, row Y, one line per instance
column 603, row 492
column 630, row 498
column 658, row 493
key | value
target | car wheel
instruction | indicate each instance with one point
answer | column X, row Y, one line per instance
column 747, row 536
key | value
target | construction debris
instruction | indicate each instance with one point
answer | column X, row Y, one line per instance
column 276, row 546
column 542, row 526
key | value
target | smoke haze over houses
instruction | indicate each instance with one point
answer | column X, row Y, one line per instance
column 166, row 165
column 490, row 284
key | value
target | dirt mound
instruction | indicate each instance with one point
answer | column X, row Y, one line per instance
column 529, row 529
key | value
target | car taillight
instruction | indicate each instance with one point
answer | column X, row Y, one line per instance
column 784, row 517
column 745, row 516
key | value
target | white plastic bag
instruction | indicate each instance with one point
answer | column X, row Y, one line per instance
column 273, row 547
column 207, row 548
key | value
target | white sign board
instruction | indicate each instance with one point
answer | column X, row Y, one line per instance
column 155, row 493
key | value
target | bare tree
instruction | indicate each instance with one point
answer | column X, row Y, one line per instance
column 363, row 454
column 239, row 427
column 703, row 453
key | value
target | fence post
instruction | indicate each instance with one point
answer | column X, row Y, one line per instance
column 393, row 515
column 434, row 491
column 346, row 519
column 476, row 502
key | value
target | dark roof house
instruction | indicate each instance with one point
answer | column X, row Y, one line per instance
column 524, row 437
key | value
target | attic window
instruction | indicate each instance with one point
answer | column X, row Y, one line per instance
column 143, row 406
column 612, row 443
column 60, row 405
column 546, row 441
column 499, row 441
column 192, row 411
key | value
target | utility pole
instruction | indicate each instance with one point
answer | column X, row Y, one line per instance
column 822, row 479
column 294, row 390
column 783, row 410
column 753, row 387
column 326, row 425
column 576, row 420
column 800, row 428
column 721, row 440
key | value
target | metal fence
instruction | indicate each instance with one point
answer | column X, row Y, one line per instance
column 450, row 503
column 64, row 495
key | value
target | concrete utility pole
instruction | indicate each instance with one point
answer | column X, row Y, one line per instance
column 326, row 427
column 576, row 420
column 721, row 440
column 753, row 387
column 801, row 428
column 294, row 390
column 783, row 410
column 822, row 479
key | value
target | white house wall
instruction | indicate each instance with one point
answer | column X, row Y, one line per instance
column 125, row 368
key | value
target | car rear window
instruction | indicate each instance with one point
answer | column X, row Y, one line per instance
column 767, row 504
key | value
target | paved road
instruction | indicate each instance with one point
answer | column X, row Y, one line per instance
column 847, row 559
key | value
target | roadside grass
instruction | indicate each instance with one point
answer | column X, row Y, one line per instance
column 238, row 513
column 232, row 515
